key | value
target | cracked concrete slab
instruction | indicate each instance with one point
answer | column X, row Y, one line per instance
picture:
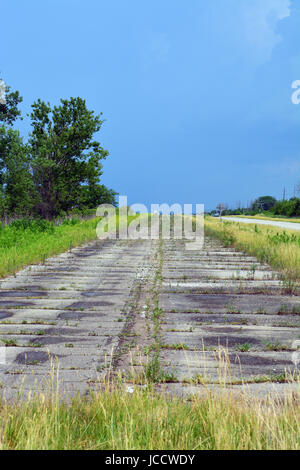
column 68, row 313
column 223, row 311
column 107, row 308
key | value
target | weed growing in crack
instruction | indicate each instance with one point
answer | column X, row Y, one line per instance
column 245, row 347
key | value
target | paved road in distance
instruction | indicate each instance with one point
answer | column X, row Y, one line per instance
column 287, row 225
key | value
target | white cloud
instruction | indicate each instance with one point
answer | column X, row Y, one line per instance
column 260, row 19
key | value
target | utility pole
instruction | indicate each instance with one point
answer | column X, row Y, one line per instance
column 221, row 208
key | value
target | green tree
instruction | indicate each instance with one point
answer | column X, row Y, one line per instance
column 15, row 178
column 9, row 103
column 289, row 208
column 63, row 154
column 94, row 195
column 59, row 168
column 263, row 203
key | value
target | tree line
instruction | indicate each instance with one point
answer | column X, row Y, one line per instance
column 57, row 170
column 265, row 204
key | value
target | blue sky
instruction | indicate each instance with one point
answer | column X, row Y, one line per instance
column 196, row 94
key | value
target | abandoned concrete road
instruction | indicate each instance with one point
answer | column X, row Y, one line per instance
column 148, row 309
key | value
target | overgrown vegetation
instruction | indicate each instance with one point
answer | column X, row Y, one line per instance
column 112, row 419
column 280, row 248
column 30, row 241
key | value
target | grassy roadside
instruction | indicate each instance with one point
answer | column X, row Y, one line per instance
column 112, row 419
column 276, row 246
column 23, row 245
column 26, row 242
column 264, row 217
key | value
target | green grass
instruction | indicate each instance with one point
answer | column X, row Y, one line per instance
column 112, row 419
column 26, row 242
column 245, row 347
column 23, row 245
column 177, row 346
column 278, row 247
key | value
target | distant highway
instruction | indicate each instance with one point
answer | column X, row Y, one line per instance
column 287, row 225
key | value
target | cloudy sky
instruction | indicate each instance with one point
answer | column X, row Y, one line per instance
column 196, row 94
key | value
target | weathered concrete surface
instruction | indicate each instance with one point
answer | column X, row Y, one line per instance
column 148, row 310
column 67, row 316
column 225, row 316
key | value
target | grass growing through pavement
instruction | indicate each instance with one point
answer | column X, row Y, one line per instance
column 112, row 419
column 278, row 247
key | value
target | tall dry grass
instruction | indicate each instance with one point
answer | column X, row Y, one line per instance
column 112, row 419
